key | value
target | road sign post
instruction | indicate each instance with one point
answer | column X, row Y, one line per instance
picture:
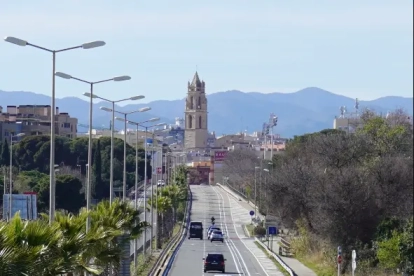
column 251, row 213
column 339, row 259
column 272, row 231
column 353, row 262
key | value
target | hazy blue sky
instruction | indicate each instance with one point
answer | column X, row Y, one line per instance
column 356, row 48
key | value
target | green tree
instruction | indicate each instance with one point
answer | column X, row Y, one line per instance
column 5, row 154
column 407, row 247
column 388, row 252
column 68, row 196
column 100, row 189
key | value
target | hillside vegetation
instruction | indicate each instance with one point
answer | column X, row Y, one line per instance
column 339, row 189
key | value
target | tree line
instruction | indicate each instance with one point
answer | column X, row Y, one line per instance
column 37, row 248
column 31, row 157
column 337, row 188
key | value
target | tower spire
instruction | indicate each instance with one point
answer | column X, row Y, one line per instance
column 196, row 80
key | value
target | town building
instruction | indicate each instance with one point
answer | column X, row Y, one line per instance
column 35, row 120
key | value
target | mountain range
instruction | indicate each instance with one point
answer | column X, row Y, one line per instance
column 308, row 110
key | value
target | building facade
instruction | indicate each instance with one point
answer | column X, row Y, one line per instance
column 196, row 124
column 35, row 120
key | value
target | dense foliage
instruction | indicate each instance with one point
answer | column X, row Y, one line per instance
column 170, row 203
column 31, row 167
column 342, row 189
column 36, row 248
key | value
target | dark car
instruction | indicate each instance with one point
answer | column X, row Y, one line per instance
column 214, row 262
column 196, row 230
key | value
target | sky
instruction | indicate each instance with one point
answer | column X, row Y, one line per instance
column 355, row 48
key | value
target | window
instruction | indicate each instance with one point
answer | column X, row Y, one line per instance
column 215, row 257
column 192, row 103
column 199, row 122
column 6, row 134
column 190, row 121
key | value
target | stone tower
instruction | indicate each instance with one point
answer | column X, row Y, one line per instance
column 196, row 131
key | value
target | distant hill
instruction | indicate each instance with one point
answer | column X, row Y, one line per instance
column 308, row 110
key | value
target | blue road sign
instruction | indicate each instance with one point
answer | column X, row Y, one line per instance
column 272, row 230
column 251, row 213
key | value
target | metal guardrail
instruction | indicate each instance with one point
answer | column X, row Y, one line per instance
column 164, row 261
column 277, row 258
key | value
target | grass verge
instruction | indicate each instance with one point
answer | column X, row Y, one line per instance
column 250, row 229
column 273, row 259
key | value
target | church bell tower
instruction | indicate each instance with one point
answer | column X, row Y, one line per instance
column 196, row 130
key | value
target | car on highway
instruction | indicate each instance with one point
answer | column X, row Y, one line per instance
column 215, row 262
column 196, row 230
column 210, row 231
column 217, row 236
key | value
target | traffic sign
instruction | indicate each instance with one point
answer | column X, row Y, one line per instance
column 251, row 213
column 339, row 250
column 272, row 230
column 339, row 259
column 159, row 170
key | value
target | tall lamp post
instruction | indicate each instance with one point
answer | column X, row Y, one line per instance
column 255, row 190
column 144, row 109
column 111, row 169
column 145, row 185
column 136, row 179
column 91, row 97
column 89, row 45
column 11, row 172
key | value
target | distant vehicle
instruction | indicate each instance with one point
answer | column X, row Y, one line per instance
column 217, row 236
column 215, row 262
column 161, row 182
column 196, row 230
column 211, row 230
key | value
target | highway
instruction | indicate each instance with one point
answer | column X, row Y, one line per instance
column 211, row 201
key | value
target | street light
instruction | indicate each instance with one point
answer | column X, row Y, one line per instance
column 88, row 45
column 255, row 190
column 111, row 170
column 145, row 183
column 144, row 109
column 91, row 97
column 11, row 171
column 136, row 180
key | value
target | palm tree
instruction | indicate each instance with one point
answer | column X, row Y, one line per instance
column 31, row 248
column 177, row 195
column 36, row 248
column 162, row 204
column 114, row 221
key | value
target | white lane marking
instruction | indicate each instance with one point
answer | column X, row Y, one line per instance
column 229, row 245
column 236, row 250
column 237, row 233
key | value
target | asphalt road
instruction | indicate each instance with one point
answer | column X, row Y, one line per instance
column 210, row 201
column 141, row 204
